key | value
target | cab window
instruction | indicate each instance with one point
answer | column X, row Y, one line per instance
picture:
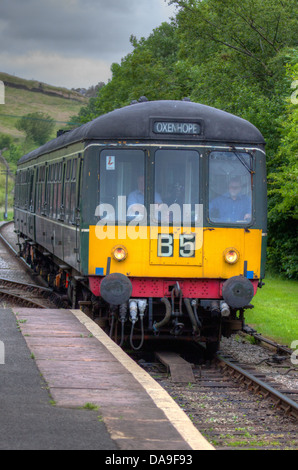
column 122, row 182
column 177, row 183
column 230, row 187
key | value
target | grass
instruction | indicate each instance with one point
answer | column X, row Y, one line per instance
column 90, row 406
column 19, row 102
column 9, row 214
column 276, row 314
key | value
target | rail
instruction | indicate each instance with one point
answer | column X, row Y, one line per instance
column 279, row 347
column 259, row 386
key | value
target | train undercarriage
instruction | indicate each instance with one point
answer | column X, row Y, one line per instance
column 132, row 321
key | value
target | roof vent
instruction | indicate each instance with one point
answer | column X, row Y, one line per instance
column 62, row 131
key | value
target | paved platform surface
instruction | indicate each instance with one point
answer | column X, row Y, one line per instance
column 81, row 365
column 28, row 421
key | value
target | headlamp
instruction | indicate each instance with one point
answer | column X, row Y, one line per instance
column 119, row 253
column 231, row 255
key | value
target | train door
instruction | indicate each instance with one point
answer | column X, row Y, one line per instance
column 31, row 218
column 44, row 179
column 77, row 215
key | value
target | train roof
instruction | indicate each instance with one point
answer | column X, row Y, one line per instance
column 135, row 122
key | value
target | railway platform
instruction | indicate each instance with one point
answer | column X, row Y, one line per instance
column 65, row 384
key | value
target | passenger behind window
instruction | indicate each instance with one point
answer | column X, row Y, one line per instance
column 137, row 196
column 233, row 206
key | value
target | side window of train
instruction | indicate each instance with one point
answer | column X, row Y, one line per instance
column 230, row 187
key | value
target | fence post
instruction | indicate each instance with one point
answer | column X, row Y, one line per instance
column 2, row 353
column 2, row 92
column 5, row 172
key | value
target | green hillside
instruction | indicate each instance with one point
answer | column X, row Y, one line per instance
column 27, row 96
column 21, row 98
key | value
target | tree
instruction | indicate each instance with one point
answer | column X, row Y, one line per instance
column 232, row 55
column 37, row 126
column 5, row 141
column 236, row 52
column 253, row 29
column 149, row 70
column 283, row 187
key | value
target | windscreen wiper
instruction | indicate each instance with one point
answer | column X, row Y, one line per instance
column 243, row 162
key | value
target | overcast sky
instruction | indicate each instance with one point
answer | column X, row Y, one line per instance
column 73, row 43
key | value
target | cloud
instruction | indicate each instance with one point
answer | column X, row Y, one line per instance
column 88, row 26
column 74, row 38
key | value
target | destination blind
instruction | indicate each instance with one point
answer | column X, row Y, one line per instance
column 168, row 127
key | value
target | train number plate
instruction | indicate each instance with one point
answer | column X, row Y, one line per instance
column 187, row 245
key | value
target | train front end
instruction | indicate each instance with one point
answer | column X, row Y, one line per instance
column 176, row 232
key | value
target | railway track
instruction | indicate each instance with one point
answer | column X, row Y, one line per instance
column 11, row 246
column 261, row 339
column 262, row 387
column 27, row 295
column 216, row 396
column 20, row 288
column 13, row 298
column 221, row 404
column 181, row 371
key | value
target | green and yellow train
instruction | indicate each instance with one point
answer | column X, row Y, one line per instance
column 153, row 217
